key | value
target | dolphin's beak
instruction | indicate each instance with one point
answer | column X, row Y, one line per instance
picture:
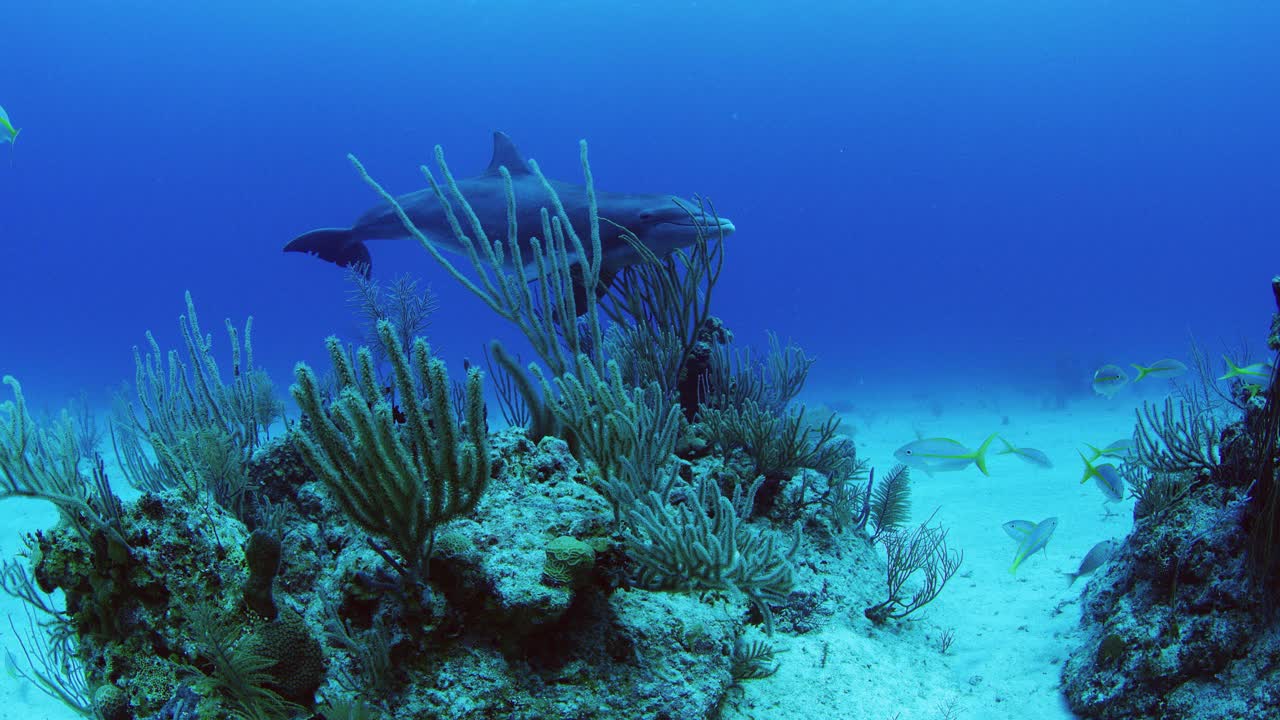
column 707, row 226
column 716, row 225
column 708, row 223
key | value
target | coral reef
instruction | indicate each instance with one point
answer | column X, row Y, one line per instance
column 1182, row 623
column 1175, row 626
column 623, row 554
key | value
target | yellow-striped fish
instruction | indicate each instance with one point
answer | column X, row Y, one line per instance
column 8, row 133
column 1031, row 455
column 1035, row 541
column 1258, row 373
column 1166, row 368
column 1108, row 379
column 941, row 454
column 1108, row 477
column 1121, row 448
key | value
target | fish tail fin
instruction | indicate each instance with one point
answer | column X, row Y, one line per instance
column 1008, row 447
column 1097, row 452
column 1142, row 371
column 1071, row 578
column 1089, row 469
column 336, row 245
column 980, row 455
column 14, row 140
column 1232, row 369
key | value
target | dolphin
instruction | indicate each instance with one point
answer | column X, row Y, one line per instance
column 662, row 223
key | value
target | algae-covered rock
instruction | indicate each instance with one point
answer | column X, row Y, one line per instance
column 633, row 654
column 1174, row 625
column 491, row 566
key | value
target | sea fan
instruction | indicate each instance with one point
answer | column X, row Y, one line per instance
column 891, row 501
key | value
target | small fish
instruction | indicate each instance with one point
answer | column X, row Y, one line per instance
column 1097, row 556
column 1108, row 379
column 943, row 454
column 1258, row 373
column 1035, row 541
column 1018, row 529
column 1031, row 455
column 1108, row 478
column 1166, row 368
column 8, row 134
column 1121, row 449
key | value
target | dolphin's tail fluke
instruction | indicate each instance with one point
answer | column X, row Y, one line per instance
column 337, row 245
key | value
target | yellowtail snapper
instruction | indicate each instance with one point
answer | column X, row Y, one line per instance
column 1035, row 541
column 1031, row 455
column 943, row 454
column 1121, row 448
column 1108, row 379
column 1018, row 529
column 1167, row 368
column 1108, row 477
column 1258, row 373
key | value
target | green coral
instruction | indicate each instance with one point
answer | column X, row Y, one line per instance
column 399, row 483
column 706, row 545
column 569, row 562
column 186, row 408
column 629, row 433
column 42, row 462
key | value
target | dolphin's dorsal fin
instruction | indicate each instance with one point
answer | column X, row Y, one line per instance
column 506, row 154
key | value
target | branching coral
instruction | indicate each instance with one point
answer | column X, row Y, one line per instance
column 1179, row 437
column 203, row 430
column 703, row 544
column 43, row 463
column 920, row 551
column 614, row 425
column 400, row 302
column 777, row 443
column 399, row 484
column 735, row 377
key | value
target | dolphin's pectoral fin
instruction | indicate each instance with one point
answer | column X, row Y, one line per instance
column 579, row 292
column 580, row 289
column 334, row 245
column 605, row 282
column 506, row 154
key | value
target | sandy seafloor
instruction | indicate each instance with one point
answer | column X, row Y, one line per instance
column 1012, row 634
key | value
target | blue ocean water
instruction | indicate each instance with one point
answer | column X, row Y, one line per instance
column 925, row 192
column 929, row 196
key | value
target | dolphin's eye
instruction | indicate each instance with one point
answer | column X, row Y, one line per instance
column 646, row 214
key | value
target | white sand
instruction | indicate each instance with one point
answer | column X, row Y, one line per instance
column 18, row 698
column 1012, row 634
